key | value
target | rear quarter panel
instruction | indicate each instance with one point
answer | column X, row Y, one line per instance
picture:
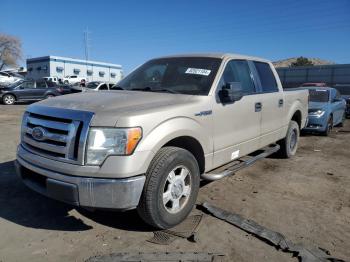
column 295, row 100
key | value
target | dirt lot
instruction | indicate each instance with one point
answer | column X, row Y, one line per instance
column 306, row 198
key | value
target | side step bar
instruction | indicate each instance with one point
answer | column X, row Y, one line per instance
column 232, row 167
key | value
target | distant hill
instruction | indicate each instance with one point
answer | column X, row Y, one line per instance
column 287, row 62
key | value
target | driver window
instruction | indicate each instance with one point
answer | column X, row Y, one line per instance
column 238, row 71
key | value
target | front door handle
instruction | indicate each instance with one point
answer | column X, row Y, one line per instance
column 280, row 103
column 258, row 107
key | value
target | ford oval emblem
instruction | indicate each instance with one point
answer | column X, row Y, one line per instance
column 38, row 133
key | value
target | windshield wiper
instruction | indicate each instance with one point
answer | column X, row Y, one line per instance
column 117, row 88
column 147, row 88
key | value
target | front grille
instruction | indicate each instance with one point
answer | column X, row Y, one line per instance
column 63, row 133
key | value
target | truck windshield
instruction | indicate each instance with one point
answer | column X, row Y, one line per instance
column 183, row 75
column 318, row 95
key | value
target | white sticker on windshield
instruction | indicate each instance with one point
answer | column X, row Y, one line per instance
column 198, row 71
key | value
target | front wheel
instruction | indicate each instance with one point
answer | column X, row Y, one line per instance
column 328, row 127
column 289, row 144
column 171, row 188
column 8, row 99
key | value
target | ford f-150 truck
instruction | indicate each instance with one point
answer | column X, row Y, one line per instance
column 171, row 122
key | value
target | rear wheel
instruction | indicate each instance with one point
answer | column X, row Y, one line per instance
column 49, row 96
column 171, row 188
column 289, row 144
column 8, row 99
column 328, row 127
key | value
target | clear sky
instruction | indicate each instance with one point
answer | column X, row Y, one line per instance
column 130, row 32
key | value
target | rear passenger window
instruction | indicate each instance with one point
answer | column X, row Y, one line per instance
column 238, row 71
column 267, row 78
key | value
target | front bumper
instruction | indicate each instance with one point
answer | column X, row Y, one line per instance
column 316, row 124
column 107, row 193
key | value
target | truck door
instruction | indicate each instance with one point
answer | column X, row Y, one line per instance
column 236, row 125
column 272, row 104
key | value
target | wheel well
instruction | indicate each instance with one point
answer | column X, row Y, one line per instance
column 191, row 145
column 11, row 95
column 297, row 118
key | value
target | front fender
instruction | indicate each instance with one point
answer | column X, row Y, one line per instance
column 173, row 128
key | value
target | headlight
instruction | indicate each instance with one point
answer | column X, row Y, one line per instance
column 318, row 113
column 103, row 142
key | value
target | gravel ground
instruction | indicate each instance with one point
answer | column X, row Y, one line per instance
column 306, row 198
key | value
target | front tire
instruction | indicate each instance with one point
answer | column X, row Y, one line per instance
column 8, row 99
column 289, row 144
column 328, row 127
column 171, row 188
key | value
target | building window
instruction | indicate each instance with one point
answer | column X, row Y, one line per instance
column 113, row 75
column 89, row 72
column 101, row 73
column 59, row 69
column 44, row 68
column 38, row 68
column 30, row 69
column 76, row 71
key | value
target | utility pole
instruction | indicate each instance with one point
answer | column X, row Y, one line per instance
column 87, row 43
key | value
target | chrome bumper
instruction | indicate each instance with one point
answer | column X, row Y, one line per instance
column 108, row 193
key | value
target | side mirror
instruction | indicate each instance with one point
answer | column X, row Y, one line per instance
column 231, row 92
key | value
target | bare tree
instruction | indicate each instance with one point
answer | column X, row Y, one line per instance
column 10, row 50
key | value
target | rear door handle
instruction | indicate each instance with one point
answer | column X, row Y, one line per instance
column 258, row 107
column 280, row 103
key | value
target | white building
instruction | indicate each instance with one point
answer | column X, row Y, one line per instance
column 63, row 66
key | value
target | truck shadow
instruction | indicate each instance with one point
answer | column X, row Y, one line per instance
column 21, row 206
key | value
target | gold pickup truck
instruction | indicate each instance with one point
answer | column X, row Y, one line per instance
column 170, row 123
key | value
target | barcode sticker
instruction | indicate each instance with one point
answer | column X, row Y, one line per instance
column 198, row 71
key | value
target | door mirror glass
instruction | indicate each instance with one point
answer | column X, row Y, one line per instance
column 231, row 92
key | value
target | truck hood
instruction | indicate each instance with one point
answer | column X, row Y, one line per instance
column 108, row 106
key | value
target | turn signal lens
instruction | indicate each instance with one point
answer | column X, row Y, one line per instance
column 134, row 136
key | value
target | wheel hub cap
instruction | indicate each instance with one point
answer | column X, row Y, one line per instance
column 177, row 189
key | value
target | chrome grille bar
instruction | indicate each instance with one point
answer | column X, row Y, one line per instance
column 64, row 133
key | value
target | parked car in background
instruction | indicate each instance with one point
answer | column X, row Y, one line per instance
column 344, row 90
column 72, row 79
column 314, row 84
column 326, row 109
column 347, row 100
column 54, row 79
column 31, row 91
column 97, row 86
column 8, row 78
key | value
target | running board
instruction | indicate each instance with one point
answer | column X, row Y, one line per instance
column 232, row 167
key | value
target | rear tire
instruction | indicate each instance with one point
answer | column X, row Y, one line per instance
column 8, row 99
column 171, row 188
column 289, row 144
column 49, row 96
